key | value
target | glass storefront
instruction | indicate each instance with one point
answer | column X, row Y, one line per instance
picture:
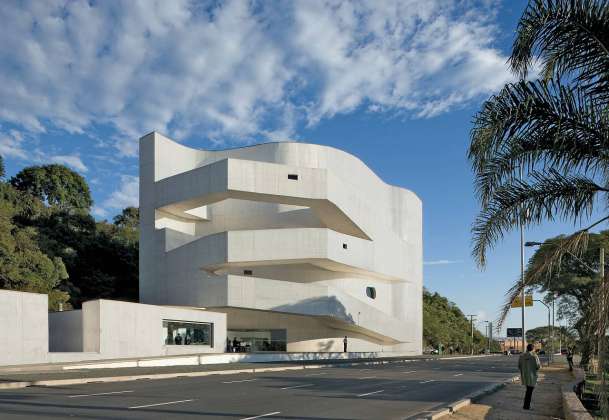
column 245, row 341
column 179, row 333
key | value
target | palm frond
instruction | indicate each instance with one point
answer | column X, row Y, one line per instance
column 570, row 38
column 538, row 122
column 549, row 196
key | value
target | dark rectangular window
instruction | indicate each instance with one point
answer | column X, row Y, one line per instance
column 293, row 176
column 188, row 333
column 344, row 246
column 247, row 272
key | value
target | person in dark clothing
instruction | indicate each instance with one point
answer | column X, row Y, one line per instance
column 528, row 364
column 570, row 359
column 235, row 345
column 229, row 348
column 178, row 339
column 345, row 344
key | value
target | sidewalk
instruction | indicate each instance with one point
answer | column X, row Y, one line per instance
column 507, row 402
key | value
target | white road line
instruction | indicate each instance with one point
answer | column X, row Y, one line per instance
column 458, row 374
column 262, row 415
column 297, row 386
column 367, row 377
column 156, row 405
column 426, row 382
column 94, row 395
column 316, row 374
column 361, row 370
column 410, row 371
column 236, row 382
column 371, row 393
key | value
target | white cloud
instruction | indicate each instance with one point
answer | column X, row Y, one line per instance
column 11, row 145
column 71, row 160
column 442, row 262
column 126, row 195
column 238, row 71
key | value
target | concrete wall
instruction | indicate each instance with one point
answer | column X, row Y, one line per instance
column 207, row 216
column 123, row 329
column 25, row 335
column 65, row 331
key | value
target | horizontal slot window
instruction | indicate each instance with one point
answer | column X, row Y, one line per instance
column 293, row 177
column 183, row 333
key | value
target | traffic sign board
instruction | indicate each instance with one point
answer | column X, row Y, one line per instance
column 514, row 332
column 517, row 303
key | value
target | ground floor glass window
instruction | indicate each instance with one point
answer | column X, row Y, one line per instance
column 187, row 333
column 245, row 341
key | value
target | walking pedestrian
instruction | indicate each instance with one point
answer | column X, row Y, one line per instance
column 345, row 344
column 528, row 364
column 570, row 359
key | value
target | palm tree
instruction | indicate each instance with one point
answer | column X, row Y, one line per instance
column 554, row 129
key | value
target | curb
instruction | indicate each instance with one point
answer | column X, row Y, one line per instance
column 468, row 400
column 78, row 381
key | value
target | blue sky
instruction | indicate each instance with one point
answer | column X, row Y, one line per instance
column 395, row 83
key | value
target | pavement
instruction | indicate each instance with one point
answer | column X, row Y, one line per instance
column 398, row 390
column 507, row 402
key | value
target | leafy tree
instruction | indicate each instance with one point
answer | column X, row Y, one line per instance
column 2, row 173
column 56, row 185
column 562, row 336
column 23, row 265
column 129, row 218
column 445, row 324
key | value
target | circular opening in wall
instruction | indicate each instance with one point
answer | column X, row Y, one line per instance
column 371, row 292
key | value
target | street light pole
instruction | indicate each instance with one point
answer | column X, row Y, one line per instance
column 522, row 270
column 471, row 317
column 549, row 325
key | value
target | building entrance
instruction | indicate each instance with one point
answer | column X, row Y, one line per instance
column 245, row 341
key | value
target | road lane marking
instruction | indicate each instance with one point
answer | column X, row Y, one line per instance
column 367, row 377
column 156, row 405
column 361, row 370
column 458, row 374
column 371, row 393
column 316, row 374
column 262, row 415
column 410, row 371
column 426, row 382
column 297, row 386
column 236, row 382
column 100, row 393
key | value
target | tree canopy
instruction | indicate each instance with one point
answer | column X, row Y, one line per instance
column 49, row 243
column 56, row 185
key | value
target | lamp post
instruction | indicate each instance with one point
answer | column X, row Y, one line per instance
column 549, row 331
column 471, row 317
column 488, row 336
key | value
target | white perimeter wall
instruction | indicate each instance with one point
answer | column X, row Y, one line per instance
column 123, row 329
column 24, row 334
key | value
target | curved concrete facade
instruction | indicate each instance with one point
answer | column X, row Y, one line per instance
column 292, row 236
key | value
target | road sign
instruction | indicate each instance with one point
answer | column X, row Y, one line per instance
column 517, row 303
column 514, row 332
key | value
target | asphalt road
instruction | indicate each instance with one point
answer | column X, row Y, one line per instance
column 390, row 391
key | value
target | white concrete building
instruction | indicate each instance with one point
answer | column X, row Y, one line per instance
column 299, row 244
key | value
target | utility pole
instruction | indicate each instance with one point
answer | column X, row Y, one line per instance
column 471, row 317
column 602, row 297
column 522, row 268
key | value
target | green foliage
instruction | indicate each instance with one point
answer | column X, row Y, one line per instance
column 56, row 185
column 49, row 243
column 562, row 336
column 2, row 173
column 574, row 281
column 444, row 323
column 23, row 265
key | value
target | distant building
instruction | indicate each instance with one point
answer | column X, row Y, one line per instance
column 298, row 244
